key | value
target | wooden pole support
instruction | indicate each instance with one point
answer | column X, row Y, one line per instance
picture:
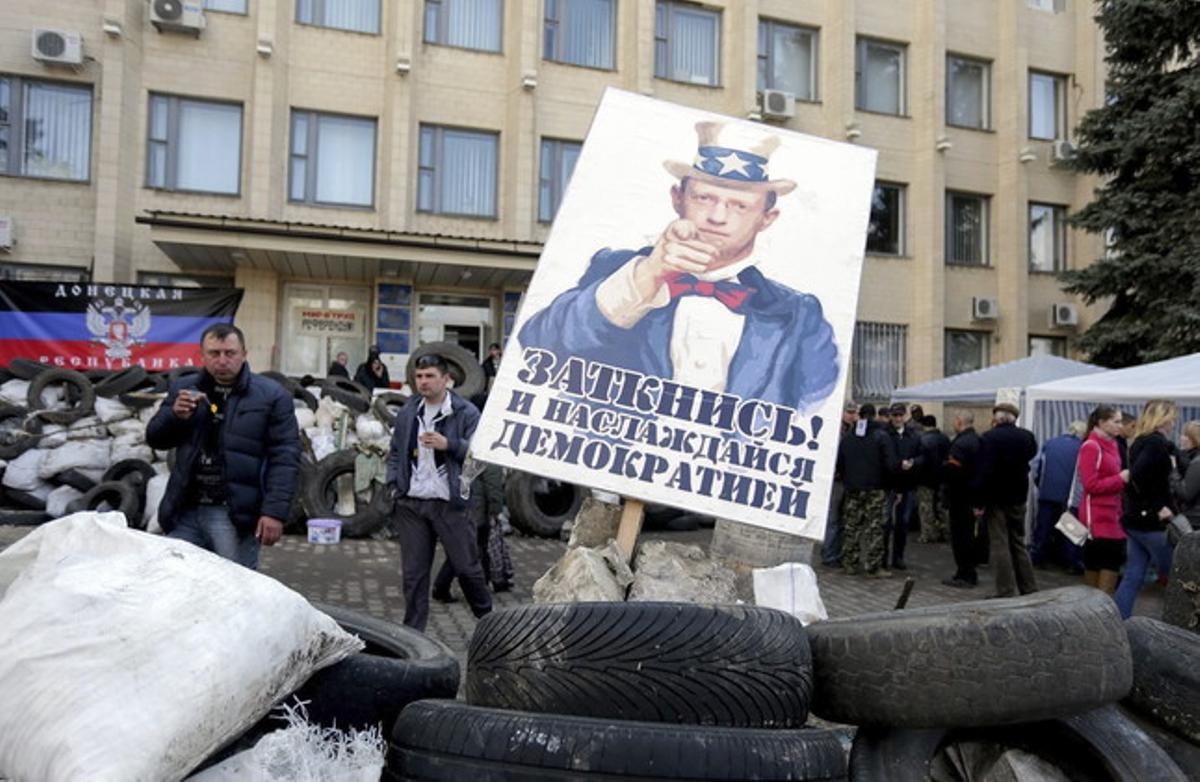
column 630, row 526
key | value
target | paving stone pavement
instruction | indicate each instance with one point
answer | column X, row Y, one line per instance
column 365, row 575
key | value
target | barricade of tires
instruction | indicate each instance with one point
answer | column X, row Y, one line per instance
column 1016, row 688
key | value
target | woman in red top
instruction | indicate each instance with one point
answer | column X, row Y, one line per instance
column 1103, row 480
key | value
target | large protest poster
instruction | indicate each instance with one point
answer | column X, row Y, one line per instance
column 686, row 335
column 93, row 325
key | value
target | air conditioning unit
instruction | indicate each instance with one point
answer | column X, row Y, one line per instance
column 984, row 309
column 1062, row 151
column 777, row 104
column 6, row 232
column 1064, row 313
column 57, row 46
column 183, row 16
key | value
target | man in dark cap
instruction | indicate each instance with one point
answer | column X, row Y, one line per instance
column 902, row 495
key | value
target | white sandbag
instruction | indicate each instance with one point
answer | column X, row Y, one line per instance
column 53, row 435
column 156, row 487
column 170, row 652
column 369, row 428
column 330, row 411
column 88, row 428
column 162, row 456
column 162, row 468
column 110, row 410
column 305, row 417
column 130, row 439
column 122, row 452
column 791, row 588
column 57, row 500
column 146, row 413
column 22, row 471
column 81, row 454
column 15, row 392
column 322, row 441
column 128, row 427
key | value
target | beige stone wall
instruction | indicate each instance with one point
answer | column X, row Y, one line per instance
column 336, row 71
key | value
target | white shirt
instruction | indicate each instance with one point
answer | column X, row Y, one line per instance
column 704, row 335
column 428, row 480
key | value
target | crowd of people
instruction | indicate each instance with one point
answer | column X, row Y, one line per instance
column 1121, row 476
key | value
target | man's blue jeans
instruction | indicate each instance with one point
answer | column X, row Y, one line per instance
column 209, row 527
column 1141, row 547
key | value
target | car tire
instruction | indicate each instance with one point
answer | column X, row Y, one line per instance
column 429, row 660
column 469, row 379
column 24, row 500
column 735, row 666
column 22, row 518
column 540, row 506
column 75, row 479
column 1186, row 754
column 387, row 405
column 1095, row 746
column 84, row 398
column 121, row 382
column 16, row 440
column 27, row 369
column 448, row 740
column 294, row 389
column 317, row 492
column 1166, row 675
column 349, row 393
column 981, row 663
column 1181, row 601
column 119, row 494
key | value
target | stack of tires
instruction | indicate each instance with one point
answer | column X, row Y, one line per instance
column 625, row 691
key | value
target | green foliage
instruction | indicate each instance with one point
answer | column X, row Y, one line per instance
column 1145, row 144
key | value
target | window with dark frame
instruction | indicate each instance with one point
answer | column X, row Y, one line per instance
column 1047, row 106
column 687, row 43
column 1047, row 238
column 193, row 145
column 968, row 92
column 787, row 59
column 580, row 32
column 966, row 351
column 966, row 229
column 879, row 362
column 466, row 24
column 45, row 129
column 879, row 76
column 885, row 231
column 332, row 160
column 558, row 160
column 359, row 16
column 457, row 171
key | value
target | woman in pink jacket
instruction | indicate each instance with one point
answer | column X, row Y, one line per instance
column 1103, row 480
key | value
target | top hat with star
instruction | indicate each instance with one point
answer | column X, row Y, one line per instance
column 732, row 156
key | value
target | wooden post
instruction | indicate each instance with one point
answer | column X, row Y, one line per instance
column 630, row 527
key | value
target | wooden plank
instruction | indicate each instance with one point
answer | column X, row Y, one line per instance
column 630, row 526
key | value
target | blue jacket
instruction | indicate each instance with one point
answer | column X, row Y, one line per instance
column 260, row 441
column 457, row 428
column 1055, row 467
column 786, row 355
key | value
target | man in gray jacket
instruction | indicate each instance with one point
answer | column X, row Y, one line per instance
column 429, row 446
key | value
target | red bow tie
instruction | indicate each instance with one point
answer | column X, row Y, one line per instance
column 731, row 294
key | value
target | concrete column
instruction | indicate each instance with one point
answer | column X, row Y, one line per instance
column 258, row 315
column 1009, row 207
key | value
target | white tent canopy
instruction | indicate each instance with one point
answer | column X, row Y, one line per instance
column 982, row 384
column 1055, row 404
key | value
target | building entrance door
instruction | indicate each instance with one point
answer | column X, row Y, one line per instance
column 464, row 320
column 320, row 321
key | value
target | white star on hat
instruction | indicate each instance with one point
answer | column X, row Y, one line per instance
column 733, row 163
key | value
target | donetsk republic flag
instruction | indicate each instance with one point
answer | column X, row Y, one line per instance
column 107, row 325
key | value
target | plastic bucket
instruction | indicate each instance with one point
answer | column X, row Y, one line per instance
column 324, row 531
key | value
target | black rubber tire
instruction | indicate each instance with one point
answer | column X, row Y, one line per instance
column 137, row 473
column 297, row 517
column 17, row 441
column 1185, row 753
column 736, row 666
column 448, row 740
column 349, row 393
column 137, row 399
column 382, row 407
column 296, row 390
column 178, row 372
column 120, row 494
column 1181, row 601
column 431, row 663
column 316, row 495
column 469, row 379
column 96, row 375
column 27, row 369
column 1101, row 745
column 75, row 479
column 989, row 662
column 22, row 518
column 541, row 514
column 84, row 398
column 6, row 375
column 1166, row 675
column 121, row 382
column 23, row 500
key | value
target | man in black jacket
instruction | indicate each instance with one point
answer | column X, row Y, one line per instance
column 902, row 496
column 960, row 471
column 931, row 499
column 865, row 459
column 831, row 547
column 237, row 453
column 1000, row 487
